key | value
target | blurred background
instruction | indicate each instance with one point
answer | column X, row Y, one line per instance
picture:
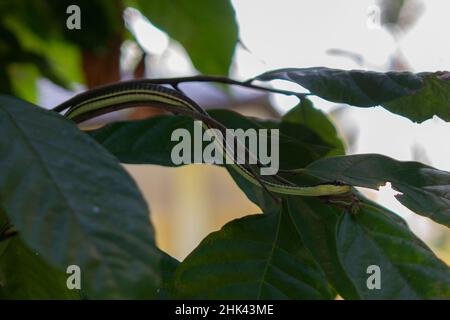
column 44, row 62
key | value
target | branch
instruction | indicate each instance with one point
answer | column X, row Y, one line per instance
column 174, row 82
column 224, row 80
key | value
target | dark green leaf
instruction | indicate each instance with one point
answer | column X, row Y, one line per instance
column 5, row 82
column 408, row 269
column 207, row 29
column 255, row 257
column 416, row 96
column 144, row 141
column 432, row 99
column 316, row 223
column 424, row 189
column 305, row 114
column 73, row 203
column 4, row 221
column 26, row 275
column 168, row 266
column 298, row 144
column 254, row 193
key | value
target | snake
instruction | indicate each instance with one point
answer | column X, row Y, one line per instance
column 126, row 94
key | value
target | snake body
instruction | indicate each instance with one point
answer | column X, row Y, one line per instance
column 122, row 95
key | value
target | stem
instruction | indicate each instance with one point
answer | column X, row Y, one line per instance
column 174, row 82
column 224, row 80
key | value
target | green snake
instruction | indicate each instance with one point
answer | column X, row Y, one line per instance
column 121, row 95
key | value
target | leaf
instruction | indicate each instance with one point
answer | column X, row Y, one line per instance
column 23, row 79
column 298, row 144
column 14, row 53
column 66, row 58
column 255, row 257
column 346, row 253
column 207, row 29
column 168, row 267
column 432, row 99
column 425, row 190
column 34, row 16
column 305, row 114
column 145, row 141
column 416, row 96
column 5, row 82
column 254, row 193
column 408, row 269
column 25, row 275
column 73, row 203
column 4, row 222
column 316, row 223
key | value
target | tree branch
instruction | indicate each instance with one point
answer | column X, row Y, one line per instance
column 224, row 80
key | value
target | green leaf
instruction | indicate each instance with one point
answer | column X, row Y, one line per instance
column 432, row 99
column 425, row 190
column 254, row 193
column 4, row 222
column 14, row 54
column 375, row 236
column 316, row 223
column 416, row 96
column 207, row 29
column 74, row 204
column 168, row 267
column 298, row 144
column 255, row 257
column 408, row 270
column 306, row 115
column 5, row 82
column 26, row 275
column 62, row 57
column 23, row 79
column 144, row 141
column 66, row 59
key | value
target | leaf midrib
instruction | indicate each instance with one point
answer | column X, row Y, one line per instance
column 270, row 257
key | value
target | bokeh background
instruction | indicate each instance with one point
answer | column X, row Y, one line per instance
column 121, row 40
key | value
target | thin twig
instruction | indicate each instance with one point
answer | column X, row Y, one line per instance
column 224, row 80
